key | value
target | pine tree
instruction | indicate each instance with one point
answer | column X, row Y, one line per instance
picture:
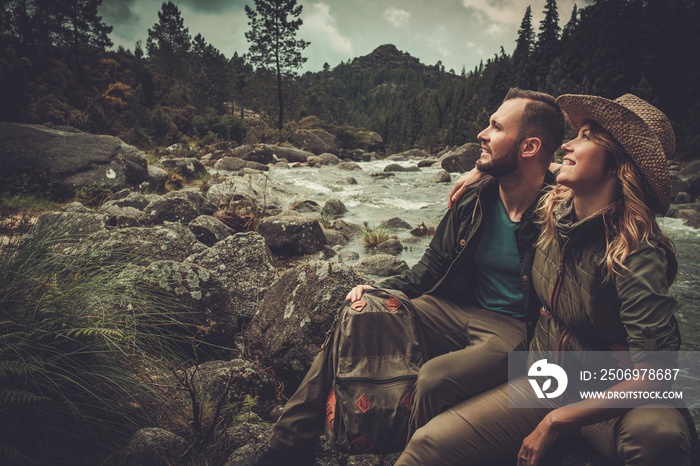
column 571, row 25
column 81, row 27
column 273, row 43
column 523, row 51
column 169, row 40
column 547, row 47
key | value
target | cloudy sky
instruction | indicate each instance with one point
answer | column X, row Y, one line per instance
column 457, row 32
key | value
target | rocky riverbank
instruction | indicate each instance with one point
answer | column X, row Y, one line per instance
column 261, row 268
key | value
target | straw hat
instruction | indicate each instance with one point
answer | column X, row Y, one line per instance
column 641, row 129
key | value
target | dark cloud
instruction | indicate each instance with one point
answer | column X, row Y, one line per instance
column 118, row 11
column 215, row 6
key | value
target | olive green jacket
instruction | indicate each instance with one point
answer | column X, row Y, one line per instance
column 581, row 312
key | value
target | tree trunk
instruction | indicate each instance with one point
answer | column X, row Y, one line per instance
column 280, row 100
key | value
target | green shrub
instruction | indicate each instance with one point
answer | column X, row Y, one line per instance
column 373, row 237
column 225, row 127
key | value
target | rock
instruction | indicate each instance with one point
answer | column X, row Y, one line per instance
column 334, row 208
column 122, row 217
column 289, row 234
column 397, row 158
column 329, row 159
column 441, row 177
column 262, row 154
column 683, row 198
column 348, row 256
column 678, row 185
column 395, row 167
column 382, row 176
column 382, row 265
column 306, row 206
column 247, row 381
column 209, row 230
column 230, row 163
column 203, row 300
column 691, row 217
column 349, row 230
column 691, row 168
column 355, row 155
column 243, row 439
column 317, row 141
column 391, row 246
column 427, row 162
column 414, row 153
column 347, row 180
column 170, row 209
column 694, row 189
column 334, row 237
column 242, row 263
column 349, row 166
column 374, row 142
column 265, row 153
column 395, row 223
column 240, row 151
column 170, row 241
column 69, row 160
column 295, row 315
column 188, row 168
column 154, row 447
column 314, row 161
column 157, row 178
column 135, row 200
column 461, row 159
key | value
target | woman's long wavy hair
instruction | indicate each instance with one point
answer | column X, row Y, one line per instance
column 629, row 222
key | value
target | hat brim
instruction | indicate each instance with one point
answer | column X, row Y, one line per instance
column 633, row 134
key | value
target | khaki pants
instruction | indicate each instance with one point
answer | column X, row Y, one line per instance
column 484, row 429
column 468, row 348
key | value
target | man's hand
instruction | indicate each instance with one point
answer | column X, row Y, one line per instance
column 460, row 186
column 356, row 293
column 537, row 443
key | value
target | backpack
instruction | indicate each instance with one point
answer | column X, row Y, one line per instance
column 378, row 348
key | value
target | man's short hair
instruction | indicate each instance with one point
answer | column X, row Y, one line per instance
column 542, row 118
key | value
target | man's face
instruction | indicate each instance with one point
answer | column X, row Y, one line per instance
column 500, row 140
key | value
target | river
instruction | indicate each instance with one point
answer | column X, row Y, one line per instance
column 414, row 198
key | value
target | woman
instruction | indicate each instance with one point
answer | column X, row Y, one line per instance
column 602, row 270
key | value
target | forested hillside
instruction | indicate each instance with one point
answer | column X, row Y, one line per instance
column 54, row 68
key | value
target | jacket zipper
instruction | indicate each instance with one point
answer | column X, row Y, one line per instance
column 563, row 340
column 439, row 282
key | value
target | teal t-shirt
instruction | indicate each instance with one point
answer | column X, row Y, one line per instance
column 497, row 262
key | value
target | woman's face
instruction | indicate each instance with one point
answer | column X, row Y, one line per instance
column 584, row 168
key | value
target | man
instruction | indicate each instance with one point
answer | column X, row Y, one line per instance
column 471, row 288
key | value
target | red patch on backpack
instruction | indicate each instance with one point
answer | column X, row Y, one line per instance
column 358, row 306
column 361, row 445
column 392, row 304
column 363, row 403
column 406, row 401
column 330, row 409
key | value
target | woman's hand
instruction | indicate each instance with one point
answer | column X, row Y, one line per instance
column 356, row 293
column 538, row 442
column 460, row 186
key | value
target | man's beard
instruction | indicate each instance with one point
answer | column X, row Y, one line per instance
column 506, row 163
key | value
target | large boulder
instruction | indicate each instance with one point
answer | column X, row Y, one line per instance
column 209, row 230
column 242, row 263
column 291, row 233
column 243, row 379
column 170, row 241
column 414, row 153
column 203, row 303
column 395, row 167
column 169, row 209
column 295, row 315
column 68, row 160
column 73, row 225
column 462, row 159
column 382, row 265
column 266, row 153
column 317, row 141
column 154, row 446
